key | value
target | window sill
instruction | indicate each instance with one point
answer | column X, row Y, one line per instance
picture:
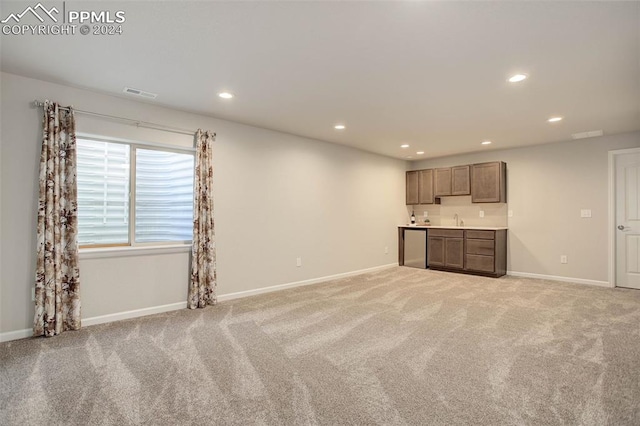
column 109, row 252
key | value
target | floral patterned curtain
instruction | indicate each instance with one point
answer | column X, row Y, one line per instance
column 57, row 275
column 202, row 287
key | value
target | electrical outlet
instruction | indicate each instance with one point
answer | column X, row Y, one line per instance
column 585, row 213
column 298, row 262
column 33, row 294
column 563, row 258
column 510, row 213
column 481, row 213
column 426, row 214
column 386, row 250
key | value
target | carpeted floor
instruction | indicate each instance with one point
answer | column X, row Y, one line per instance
column 401, row 346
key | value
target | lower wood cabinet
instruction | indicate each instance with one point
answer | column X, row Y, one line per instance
column 435, row 251
column 486, row 252
column 478, row 252
column 445, row 248
column 453, row 252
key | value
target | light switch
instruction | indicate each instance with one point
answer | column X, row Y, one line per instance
column 481, row 213
column 510, row 213
column 426, row 214
column 585, row 213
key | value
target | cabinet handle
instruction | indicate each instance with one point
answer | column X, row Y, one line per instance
column 622, row 227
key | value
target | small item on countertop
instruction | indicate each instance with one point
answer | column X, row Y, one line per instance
column 427, row 221
column 413, row 217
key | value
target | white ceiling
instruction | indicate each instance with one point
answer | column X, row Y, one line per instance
column 430, row 74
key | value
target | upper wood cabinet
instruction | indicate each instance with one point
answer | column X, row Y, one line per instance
column 442, row 182
column 425, row 187
column 460, row 180
column 420, row 187
column 488, row 182
column 412, row 196
column 452, row 181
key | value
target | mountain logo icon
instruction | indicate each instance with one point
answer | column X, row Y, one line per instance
column 34, row 11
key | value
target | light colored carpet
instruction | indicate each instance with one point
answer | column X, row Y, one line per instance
column 401, row 346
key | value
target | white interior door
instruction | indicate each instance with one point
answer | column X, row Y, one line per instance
column 628, row 220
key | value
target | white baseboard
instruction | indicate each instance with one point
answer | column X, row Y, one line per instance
column 134, row 314
column 28, row 332
column 247, row 293
column 558, row 278
column 21, row 334
column 15, row 335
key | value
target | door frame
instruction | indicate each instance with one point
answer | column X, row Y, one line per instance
column 612, row 210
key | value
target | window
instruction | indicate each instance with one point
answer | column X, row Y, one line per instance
column 117, row 181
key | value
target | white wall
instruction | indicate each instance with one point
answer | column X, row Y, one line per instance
column 277, row 197
column 547, row 186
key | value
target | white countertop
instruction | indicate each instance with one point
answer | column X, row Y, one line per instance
column 481, row 228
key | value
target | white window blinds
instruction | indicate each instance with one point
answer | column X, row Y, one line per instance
column 162, row 197
column 103, row 192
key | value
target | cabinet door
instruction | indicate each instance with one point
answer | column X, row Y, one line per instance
column 426, row 187
column 460, row 180
column 435, row 251
column 412, row 188
column 442, row 182
column 488, row 182
column 454, row 253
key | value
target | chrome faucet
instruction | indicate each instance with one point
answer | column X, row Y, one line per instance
column 455, row 216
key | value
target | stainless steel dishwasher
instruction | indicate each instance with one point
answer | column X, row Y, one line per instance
column 415, row 248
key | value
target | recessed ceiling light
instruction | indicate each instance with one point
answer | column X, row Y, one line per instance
column 225, row 95
column 420, row 152
column 339, row 127
column 554, row 119
column 486, row 143
column 404, row 146
column 517, row 78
